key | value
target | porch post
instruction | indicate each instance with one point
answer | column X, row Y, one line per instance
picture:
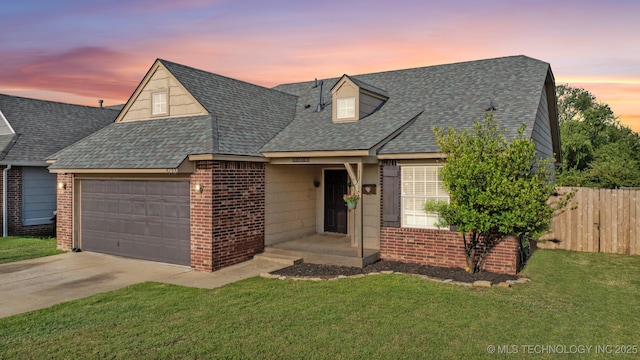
column 360, row 213
column 358, row 227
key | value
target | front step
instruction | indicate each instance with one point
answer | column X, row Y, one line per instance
column 283, row 259
column 317, row 258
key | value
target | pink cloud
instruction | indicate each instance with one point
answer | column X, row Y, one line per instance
column 85, row 71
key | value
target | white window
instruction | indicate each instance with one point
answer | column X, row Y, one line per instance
column 159, row 103
column 419, row 184
column 346, row 108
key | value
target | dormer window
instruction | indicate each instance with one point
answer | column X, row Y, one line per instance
column 353, row 99
column 159, row 103
column 346, row 108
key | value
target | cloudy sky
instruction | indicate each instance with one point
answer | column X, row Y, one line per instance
column 81, row 51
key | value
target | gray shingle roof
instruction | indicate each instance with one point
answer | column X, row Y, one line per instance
column 247, row 119
column 147, row 144
column 44, row 127
column 243, row 117
column 247, row 115
column 315, row 131
column 450, row 95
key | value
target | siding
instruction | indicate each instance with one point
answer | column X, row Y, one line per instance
column 371, row 208
column 5, row 128
column 38, row 196
column 290, row 202
column 368, row 104
column 180, row 101
column 541, row 133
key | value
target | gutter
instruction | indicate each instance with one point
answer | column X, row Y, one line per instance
column 5, row 223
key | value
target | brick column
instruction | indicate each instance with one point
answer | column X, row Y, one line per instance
column 14, row 200
column 64, row 208
column 201, row 216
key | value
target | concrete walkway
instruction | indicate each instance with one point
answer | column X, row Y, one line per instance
column 38, row 283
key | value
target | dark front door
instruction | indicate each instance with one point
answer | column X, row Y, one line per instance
column 335, row 210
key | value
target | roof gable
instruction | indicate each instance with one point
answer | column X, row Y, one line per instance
column 232, row 118
column 360, row 84
column 247, row 115
column 180, row 102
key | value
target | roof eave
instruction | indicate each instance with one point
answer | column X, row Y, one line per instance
column 320, row 153
column 35, row 163
column 244, row 158
column 185, row 167
column 411, row 156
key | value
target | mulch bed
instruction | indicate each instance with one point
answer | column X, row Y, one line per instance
column 455, row 274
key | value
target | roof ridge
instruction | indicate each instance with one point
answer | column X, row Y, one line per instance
column 165, row 62
column 417, row 67
column 57, row 102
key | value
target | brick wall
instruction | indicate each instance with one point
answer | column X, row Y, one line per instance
column 227, row 218
column 443, row 248
column 238, row 211
column 14, row 208
column 65, row 213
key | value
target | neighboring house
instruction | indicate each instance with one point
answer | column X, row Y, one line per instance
column 31, row 130
column 206, row 171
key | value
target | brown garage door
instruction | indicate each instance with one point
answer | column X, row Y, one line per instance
column 141, row 219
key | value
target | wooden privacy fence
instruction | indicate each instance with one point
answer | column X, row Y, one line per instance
column 597, row 220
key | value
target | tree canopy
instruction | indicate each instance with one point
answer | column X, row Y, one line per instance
column 497, row 187
column 597, row 150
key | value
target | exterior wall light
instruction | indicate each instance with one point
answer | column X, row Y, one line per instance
column 198, row 188
column 62, row 186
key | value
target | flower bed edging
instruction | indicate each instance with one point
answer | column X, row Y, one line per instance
column 475, row 284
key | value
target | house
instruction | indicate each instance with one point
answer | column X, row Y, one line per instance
column 203, row 170
column 31, row 130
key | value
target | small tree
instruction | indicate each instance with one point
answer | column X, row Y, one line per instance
column 497, row 188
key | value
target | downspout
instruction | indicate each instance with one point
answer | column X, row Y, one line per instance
column 5, row 223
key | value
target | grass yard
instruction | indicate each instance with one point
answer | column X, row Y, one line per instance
column 575, row 300
column 16, row 248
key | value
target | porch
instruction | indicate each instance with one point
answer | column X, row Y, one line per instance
column 328, row 249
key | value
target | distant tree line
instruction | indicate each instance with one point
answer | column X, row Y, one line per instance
column 597, row 150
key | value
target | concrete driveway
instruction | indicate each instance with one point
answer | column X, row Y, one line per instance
column 38, row 283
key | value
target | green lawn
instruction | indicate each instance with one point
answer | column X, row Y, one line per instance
column 574, row 299
column 15, row 248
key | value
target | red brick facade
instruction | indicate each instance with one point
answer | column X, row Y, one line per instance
column 202, row 217
column 64, row 216
column 443, row 248
column 440, row 247
column 227, row 217
column 238, row 211
column 14, row 208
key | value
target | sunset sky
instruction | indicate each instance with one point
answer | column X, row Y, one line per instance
column 81, row 51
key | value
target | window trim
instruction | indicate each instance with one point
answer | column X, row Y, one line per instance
column 353, row 107
column 153, row 103
column 403, row 197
